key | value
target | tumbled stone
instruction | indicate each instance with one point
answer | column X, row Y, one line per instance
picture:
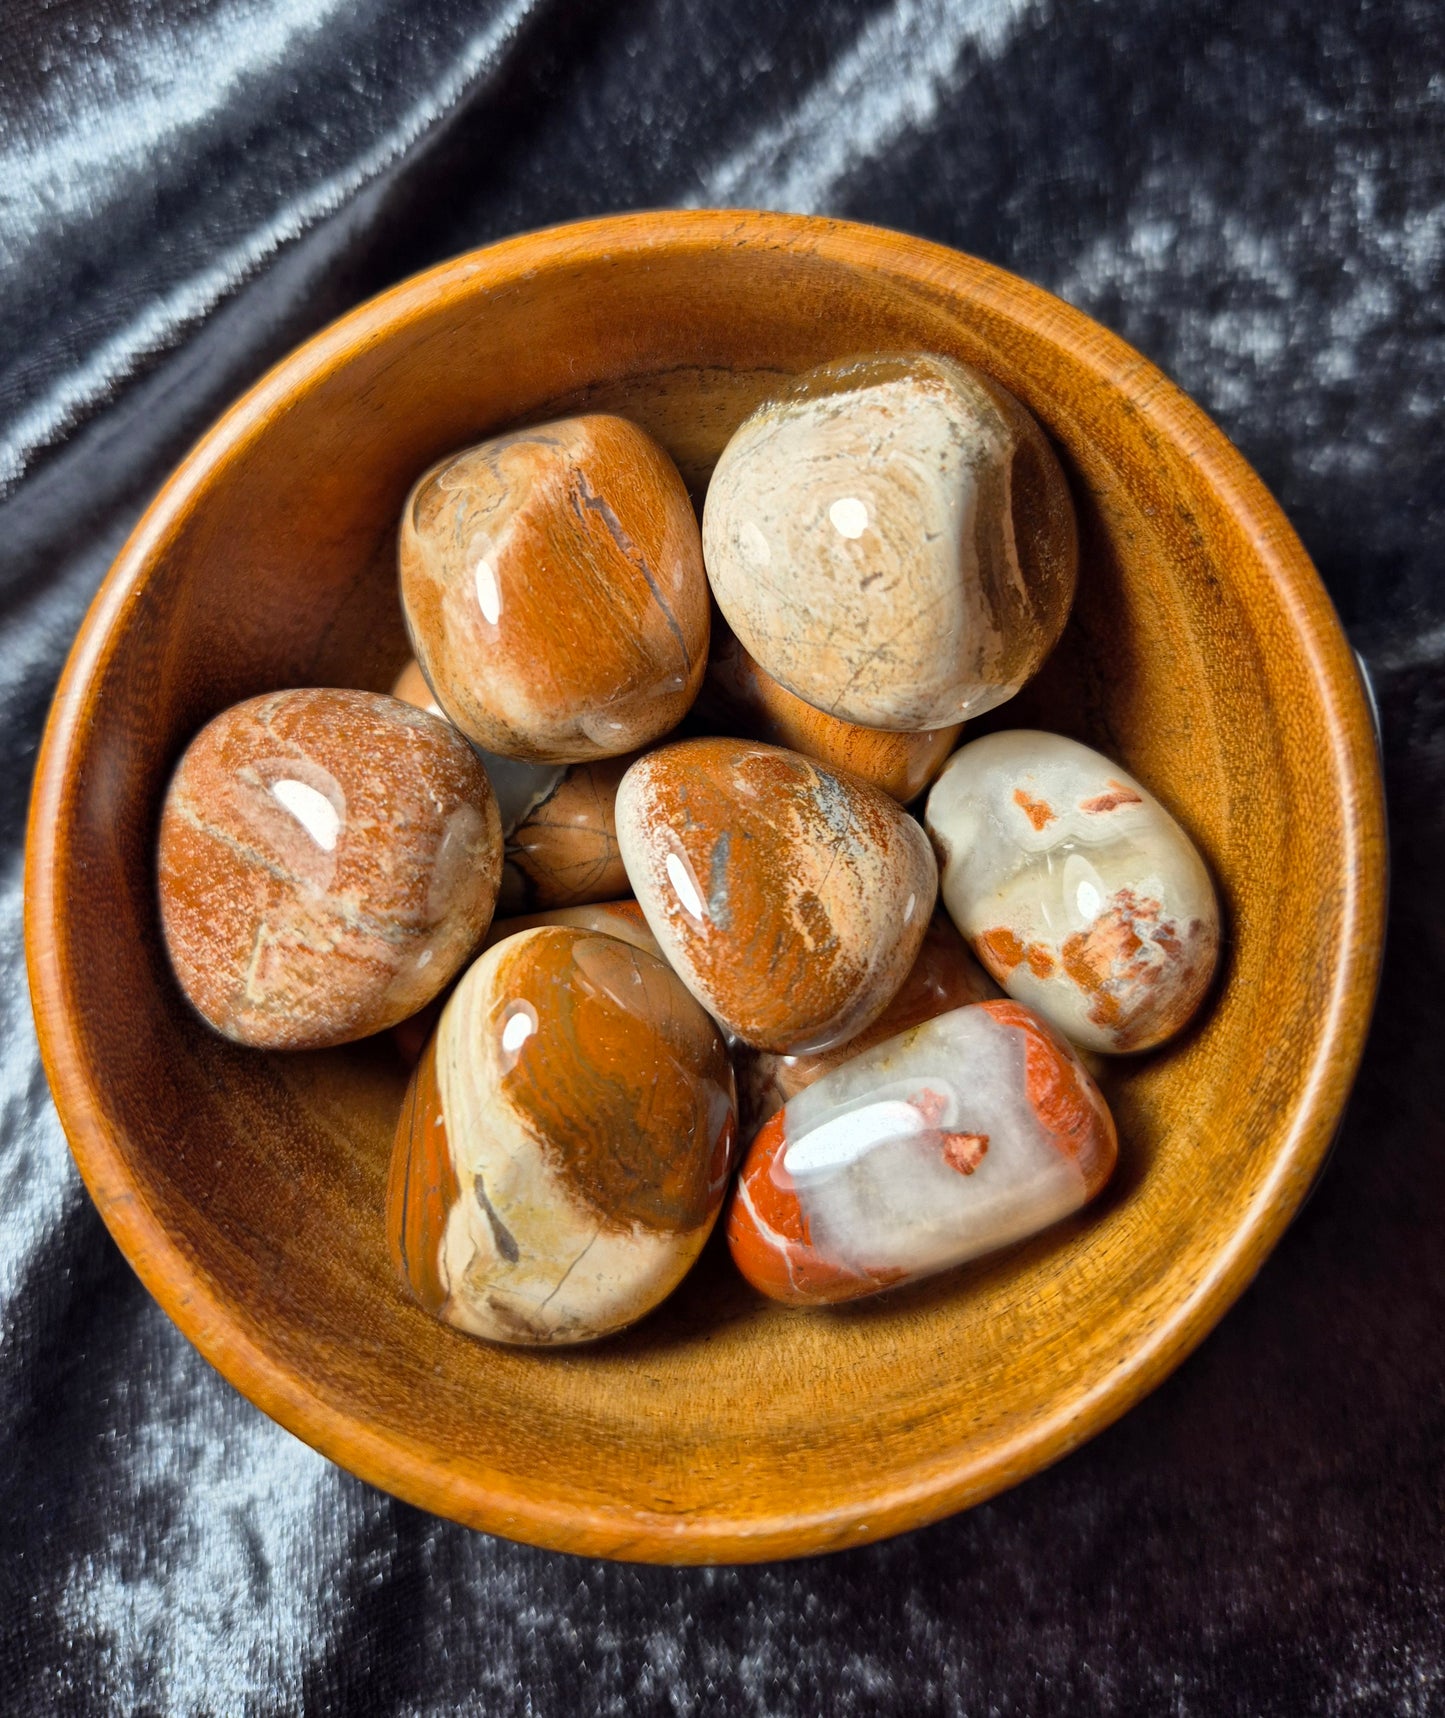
column 1075, row 887
column 553, row 589
column 563, row 852
column 893, row 540
column 943, row 977
column 565, row 1142
column 328, row 862
column 519, row 786
column 790, row 899
column 739, row 697
column 969, row 1132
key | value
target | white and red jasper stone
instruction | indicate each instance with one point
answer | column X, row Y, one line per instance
column 1075, row 887
column 565, row 1143
column 892, row 539
column 969, row 1132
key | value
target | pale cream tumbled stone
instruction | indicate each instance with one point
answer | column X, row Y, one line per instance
column 1076, row 888
column 893, row 540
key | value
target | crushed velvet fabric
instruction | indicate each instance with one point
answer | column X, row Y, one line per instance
column 1254, row 195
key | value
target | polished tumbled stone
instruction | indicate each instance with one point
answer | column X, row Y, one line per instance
column 1076, row 888
column 967, row 1133
column 328, row 862
column 565, row 1143
column 553, row 590
column 893, row 540
column 791, row 899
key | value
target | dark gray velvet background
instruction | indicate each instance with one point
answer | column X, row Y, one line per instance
column 1255, row 195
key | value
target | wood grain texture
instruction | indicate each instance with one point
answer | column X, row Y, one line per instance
column 1202, row 653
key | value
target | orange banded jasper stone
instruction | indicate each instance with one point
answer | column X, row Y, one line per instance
column 965, row 1134
column 790, row 898
column 565, row 1143
column 328, row 861
column 553, row 590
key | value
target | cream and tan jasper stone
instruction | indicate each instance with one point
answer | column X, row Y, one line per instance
column 1078, row 891
column 893, row 540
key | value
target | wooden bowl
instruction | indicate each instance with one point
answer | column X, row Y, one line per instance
column 246, row 1189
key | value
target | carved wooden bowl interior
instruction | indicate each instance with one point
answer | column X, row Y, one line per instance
column 247, row 1189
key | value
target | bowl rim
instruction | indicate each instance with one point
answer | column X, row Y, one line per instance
column 899, row 1500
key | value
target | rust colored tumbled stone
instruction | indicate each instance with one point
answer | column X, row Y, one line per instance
column 565, row 1143
column 328, row 861
column 741, row 697
column 944, row 976
column 893, row 539
column 791, row 899
column 553, row 588
column 564, row 852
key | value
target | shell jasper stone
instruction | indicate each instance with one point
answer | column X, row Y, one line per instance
column 328, row 862
column 791, row 900
column 1078, row 891
column 969, row 1132
column 553, row 589
column 565, row 1142
column 893, row 540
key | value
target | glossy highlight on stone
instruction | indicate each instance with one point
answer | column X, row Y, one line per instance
column 974, row 1130
column 565, row 1142
column 739, row 697
column 553, row 590
column 328, row 862
column 943, row 977
column 893, row 540
column 792, row 900
column 1075, row 887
